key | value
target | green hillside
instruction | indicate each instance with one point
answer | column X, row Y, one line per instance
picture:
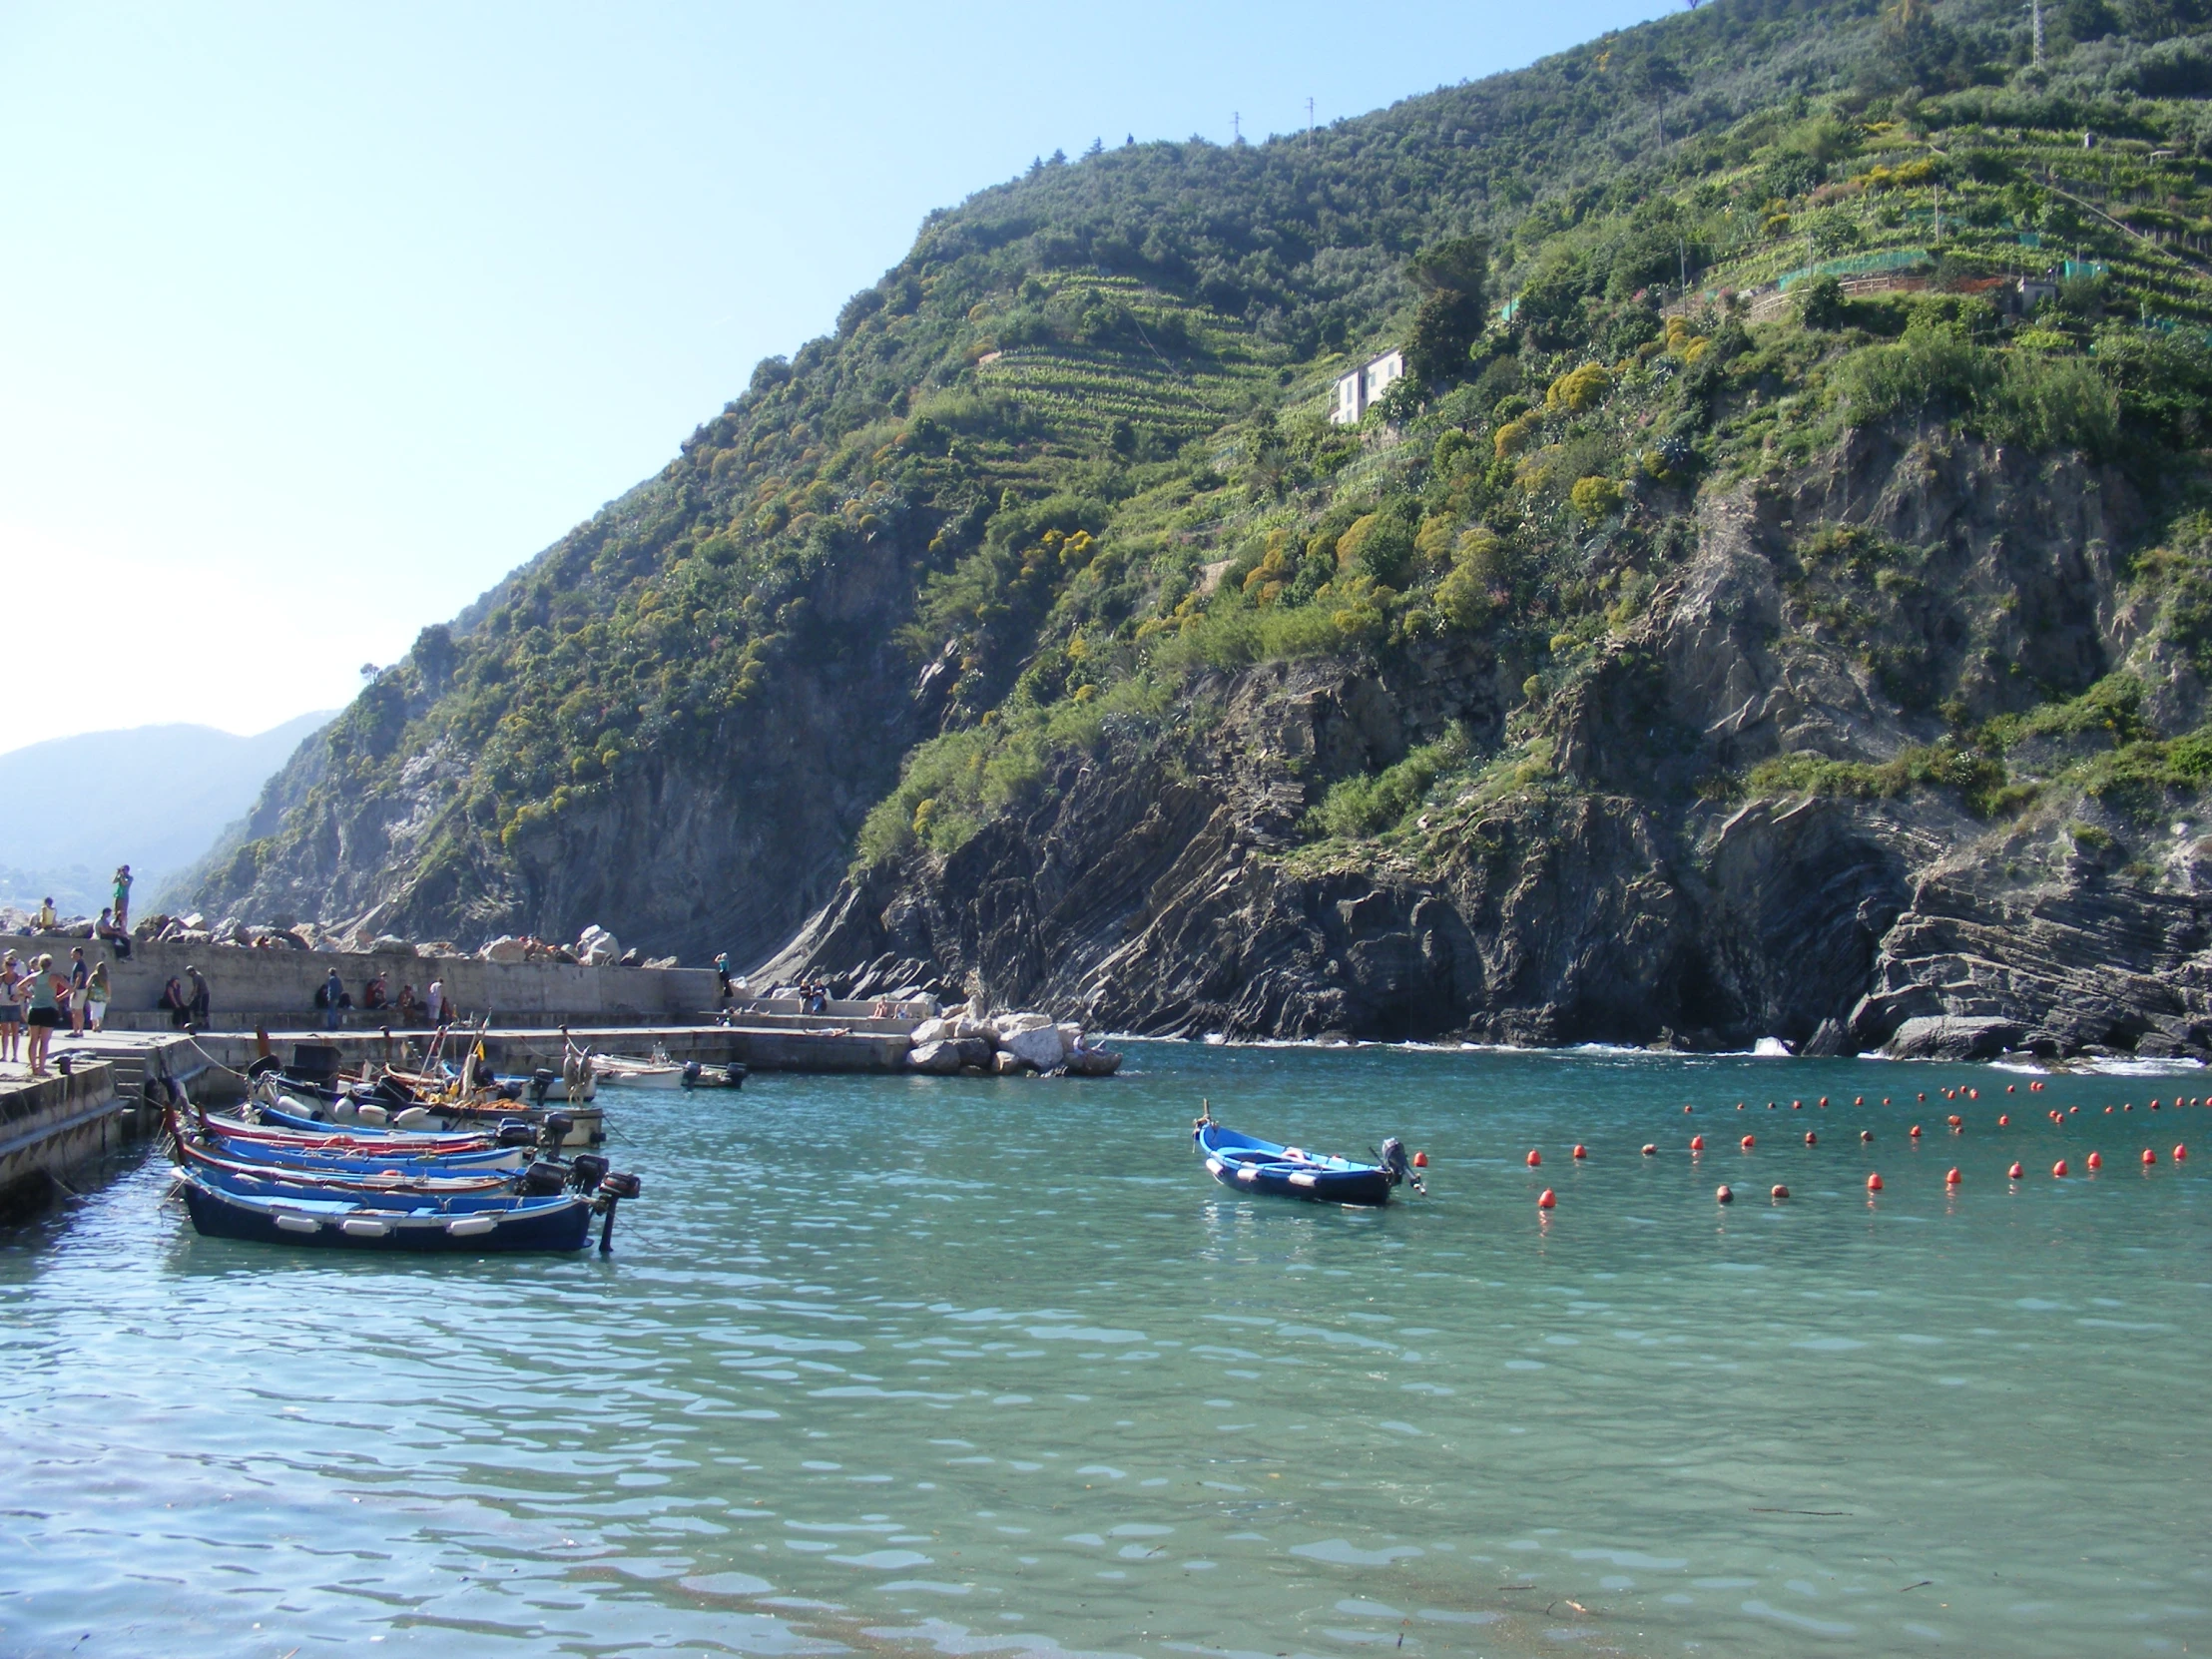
column 1081, row 431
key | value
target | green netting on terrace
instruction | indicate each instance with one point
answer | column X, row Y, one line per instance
column 1859, row 265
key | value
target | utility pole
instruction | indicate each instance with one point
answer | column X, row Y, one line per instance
column 1235, row 127
column 1308, row 123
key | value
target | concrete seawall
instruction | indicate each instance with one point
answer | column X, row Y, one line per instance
column 247, row 987
column 48, row 1127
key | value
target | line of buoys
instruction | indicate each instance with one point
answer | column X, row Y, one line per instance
column 2096, row 1160
column 1874, row 1183
column 1721, row 1194
column 1548, row 1201
column 1534, row 1158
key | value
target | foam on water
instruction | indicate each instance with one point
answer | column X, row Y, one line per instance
column 956, row 1366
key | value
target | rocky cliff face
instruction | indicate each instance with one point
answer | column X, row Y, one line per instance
column 1594, row 878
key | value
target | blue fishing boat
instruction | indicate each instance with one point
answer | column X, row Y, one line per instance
column 1251, row 1165
column 561, row 1222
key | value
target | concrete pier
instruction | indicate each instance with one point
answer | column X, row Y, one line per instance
column 48, row 1126
column 822, row 1046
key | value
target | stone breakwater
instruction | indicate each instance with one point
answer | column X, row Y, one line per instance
column 278, row 986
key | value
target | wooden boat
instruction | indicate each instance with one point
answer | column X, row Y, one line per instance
column 638, row 1074
column 294, row 1155
column 372, row 1185
column 556, row 1223
column 1251, row 1165
column 280, row 1128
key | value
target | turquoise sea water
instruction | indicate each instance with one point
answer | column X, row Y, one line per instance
column 954, row 1366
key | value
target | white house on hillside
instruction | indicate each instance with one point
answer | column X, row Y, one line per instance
column 1355, row 391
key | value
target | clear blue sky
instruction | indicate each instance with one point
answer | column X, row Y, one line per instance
column 315, row 321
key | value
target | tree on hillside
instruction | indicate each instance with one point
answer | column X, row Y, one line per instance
column 1454, row 279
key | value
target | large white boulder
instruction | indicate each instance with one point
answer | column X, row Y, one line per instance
column 968, row 1025
column 1012, row 1024
column 598, row 947
column 935, row 1031
column 1038, row 1046
column 505, row 948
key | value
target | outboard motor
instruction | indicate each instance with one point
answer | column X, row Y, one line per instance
column 692, row 1071
column 735, row 1071
column 541, row 1085
column 258, row 1069
column 558, row 1126
column 613, row 1188
column 542, row 1180
column 1396, row 1166
column 514, row 1132
column 586, row 1170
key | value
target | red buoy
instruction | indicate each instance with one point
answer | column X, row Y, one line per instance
column 2154, row 1104
column 2149, row 1157
column 1781, row 1192
column 1951, row 1180
column 1420, row 1160
column 1721, row 1194
column 1915, row 1131
column 2008, row 1088
column 1747, row 1143
column 2058, row 1167
column 1812, row 1139
column 1697, row 1143
column 1650, row 1150
column 1547, row 1202
column 2014, row 1171
column 2181, row 1153
column 1581, row 1151
column 1824, row 1100
column 1866, row 1136
column 2003, row 1122
column 1923, row 1095
column 2096, row 1160
column 1974, row 1094
column 1874, row 1183
column 1534, row 1158
column 1957, row 1121
column 1859, row 1100
column 2035, row 1087
column 1885, row 1100
column 1687, row 1110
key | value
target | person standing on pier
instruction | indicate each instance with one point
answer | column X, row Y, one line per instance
column 434, row 1002
column 11, row 1010
column 43, row 1011
column 331, row 1001
column 123, row 897
column 96, row 994
column 80, row 975
column 196, row 1006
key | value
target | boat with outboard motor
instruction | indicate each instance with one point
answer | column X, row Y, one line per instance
column 1251, row 1165
column 391, row 1189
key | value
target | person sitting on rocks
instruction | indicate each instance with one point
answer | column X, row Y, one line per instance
column 374, row 994
column 408, row 1006
column 44, row 921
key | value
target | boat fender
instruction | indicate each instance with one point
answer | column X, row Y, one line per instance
column 587, row 1169
column 373, row 1114
column 410, row 1117
column 542, row 1180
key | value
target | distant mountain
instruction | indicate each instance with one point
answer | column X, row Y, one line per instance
column 153, row 797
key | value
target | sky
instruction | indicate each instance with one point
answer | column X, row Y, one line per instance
column 315, row 320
